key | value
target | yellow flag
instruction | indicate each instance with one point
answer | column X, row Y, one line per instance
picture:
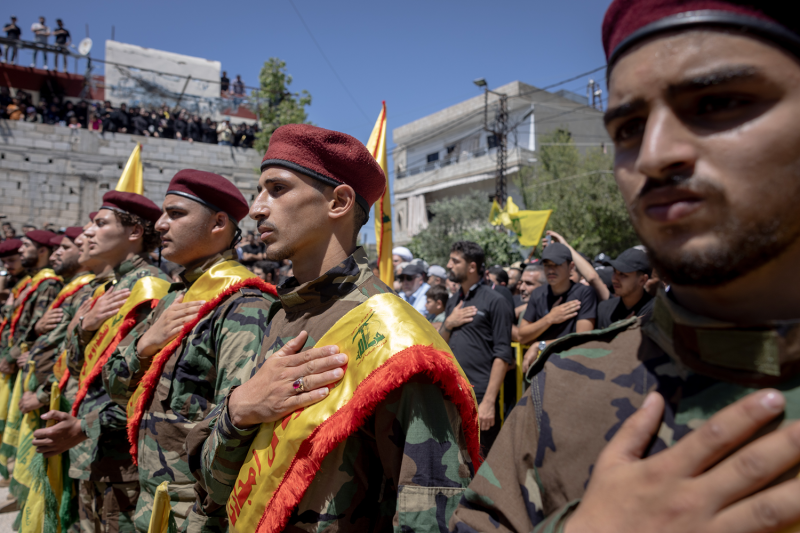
column 131, row 179
column 383, row 207
column 529, row 226
column 159, row 519
column 494, row 214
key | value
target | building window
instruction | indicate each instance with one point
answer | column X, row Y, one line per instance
column 433, row 157
column 491, row 141
column 451, row 149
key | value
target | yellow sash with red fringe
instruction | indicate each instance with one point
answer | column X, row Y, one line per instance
column 40, row 277
column 146, row 291
column 388, row 343
column 15, row 291
column 71, row 288
column 214, row 286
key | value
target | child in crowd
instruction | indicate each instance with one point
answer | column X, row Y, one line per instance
column 436, row 301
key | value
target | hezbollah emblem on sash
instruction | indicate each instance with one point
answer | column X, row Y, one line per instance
column 389, row 342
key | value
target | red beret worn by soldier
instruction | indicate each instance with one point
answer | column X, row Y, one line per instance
column 211, row 190
column 329, row 156
column 41, row 237
column 131, row 203
column 10, row 247
column 585, row 386
column 290, row 478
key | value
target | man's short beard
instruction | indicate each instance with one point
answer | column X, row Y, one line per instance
column 455, row 278
column 274, row 253
column 30, row 262
column 67, row 266
column 743, row 247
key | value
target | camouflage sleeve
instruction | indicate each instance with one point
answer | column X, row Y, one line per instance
column 124, row 370
column 237, row 342
column 423, row 452
column 46, row 349
column 217, row 450
column 505, row 494
column 45, row 295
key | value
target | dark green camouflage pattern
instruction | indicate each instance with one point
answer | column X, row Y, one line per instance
column 105, row 456
column 584, row 386
column 106, row 507
column 405, row 468
column 199, row 375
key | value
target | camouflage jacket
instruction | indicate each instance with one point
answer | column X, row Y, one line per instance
column 196, row 378
column 405, row 468
column 104, row 456
column 542, row 460
column 49, row 346
column 34, row 307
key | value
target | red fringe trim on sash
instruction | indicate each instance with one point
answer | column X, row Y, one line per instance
column 413, row 361
column 153, row 374
column 64, row 296
column 18, row 310
column 62, row 383
column 127, row 325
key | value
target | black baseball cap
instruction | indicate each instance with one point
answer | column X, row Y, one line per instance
column 632, row 260
column 557, row 253
column 413, row 270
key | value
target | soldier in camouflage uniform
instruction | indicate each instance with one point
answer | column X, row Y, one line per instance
column 407, row 466
column 35, row 251
column 199, row 230
column 12, row 264
column 121, row 235
column 707, row 162
column 54, row 324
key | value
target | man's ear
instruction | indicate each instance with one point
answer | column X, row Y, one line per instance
column 342, row 202
column 221, row 222
column 137, row 232
column 643, row 279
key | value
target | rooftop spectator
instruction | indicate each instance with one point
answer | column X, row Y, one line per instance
column 238, row 86
column 63, row 40
column 14, row 110
column 41, row 33
column 12, row 32
column 224, row 83
column 225, row 133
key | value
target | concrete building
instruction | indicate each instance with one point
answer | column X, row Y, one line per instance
column 449, row 154
column 53, row 174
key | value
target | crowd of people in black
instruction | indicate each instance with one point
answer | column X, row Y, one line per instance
column 162, row 121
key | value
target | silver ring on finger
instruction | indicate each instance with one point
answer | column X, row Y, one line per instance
column 299, row 385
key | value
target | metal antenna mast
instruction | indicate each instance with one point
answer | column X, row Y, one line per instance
column 500, row 133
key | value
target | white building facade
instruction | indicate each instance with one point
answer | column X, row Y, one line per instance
column 449, row 154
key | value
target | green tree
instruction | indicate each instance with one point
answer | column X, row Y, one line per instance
column 587, row 207
column 463, row 218
column 276, row 104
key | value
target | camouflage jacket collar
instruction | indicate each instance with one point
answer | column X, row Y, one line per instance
column 758, row 355
column 334, row 284
column 102, row 279
column 190, row 276
column 129, row 265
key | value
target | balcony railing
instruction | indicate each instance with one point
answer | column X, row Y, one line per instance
column 441, row 163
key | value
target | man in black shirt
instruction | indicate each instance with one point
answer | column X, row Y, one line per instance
column 557, row 309
column 253, row 250
column 631, row 273
column 12, row 32
column 478, row 329
column 63, row 40
column 224, row 82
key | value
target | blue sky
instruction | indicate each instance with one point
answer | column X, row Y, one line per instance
column 418, row 56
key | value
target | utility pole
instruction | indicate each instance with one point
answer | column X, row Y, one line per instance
column 594, row 94
column 500, row 132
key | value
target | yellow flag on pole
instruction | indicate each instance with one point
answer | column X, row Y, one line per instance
column 383, row 207
column 131, row 179
column 528, row 225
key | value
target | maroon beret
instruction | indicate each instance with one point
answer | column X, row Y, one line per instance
column 628, row 22
column 73, row 232
column 131, row 203
column 10, row 247
column 211, row 190
column 330, row 156
column 92, row 215
column 41, row 237
column 55, row 241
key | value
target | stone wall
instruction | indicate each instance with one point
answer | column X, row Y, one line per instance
column 58, row 175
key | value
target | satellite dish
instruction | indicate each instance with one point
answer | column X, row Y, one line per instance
column 85, row 47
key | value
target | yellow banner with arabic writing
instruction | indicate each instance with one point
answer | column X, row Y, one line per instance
column 148, row 288
column 380, row 337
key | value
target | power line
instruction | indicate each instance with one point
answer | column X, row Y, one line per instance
column 327, row 60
